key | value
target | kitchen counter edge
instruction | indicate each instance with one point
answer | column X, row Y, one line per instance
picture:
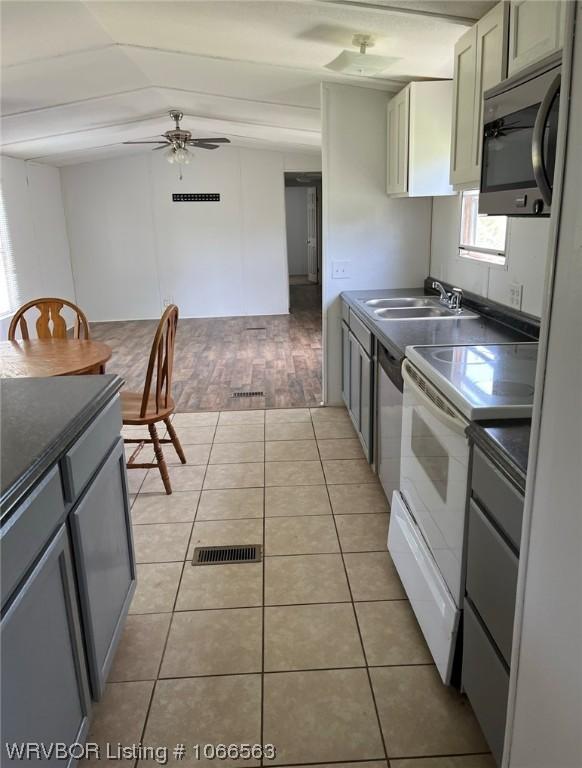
column 60, row 441
column 506, row 443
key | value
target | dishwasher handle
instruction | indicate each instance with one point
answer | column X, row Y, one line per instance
column 392, row 366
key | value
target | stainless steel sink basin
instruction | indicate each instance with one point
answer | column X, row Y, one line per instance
column 431, row 312
column 401, row 302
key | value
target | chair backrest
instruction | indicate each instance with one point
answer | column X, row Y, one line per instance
column 161, row 362
column 49, row 324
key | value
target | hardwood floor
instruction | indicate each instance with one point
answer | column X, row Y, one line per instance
column 279, row 355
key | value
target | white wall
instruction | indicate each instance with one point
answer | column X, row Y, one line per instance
column 527, row 249
column 36, row 233
column 299, row 161
column 547, row 660
column 296, row 217
column 132, row 248
column 386, row 240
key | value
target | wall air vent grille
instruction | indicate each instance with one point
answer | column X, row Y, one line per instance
column 196, row 197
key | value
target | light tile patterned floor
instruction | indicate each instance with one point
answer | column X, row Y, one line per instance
column 315, row 650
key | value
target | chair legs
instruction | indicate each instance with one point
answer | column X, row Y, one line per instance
column 174, row 439
column 162, row 466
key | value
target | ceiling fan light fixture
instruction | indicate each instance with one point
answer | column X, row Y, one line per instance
column 179, row 156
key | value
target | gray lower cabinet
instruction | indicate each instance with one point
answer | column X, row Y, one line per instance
column 345, row 331
column 357, row 379
column 361, row 402
column 494, row 514
column 485, row 681
column 102, row 542
column 45, row 697
column 491, row 578
column 366, row 402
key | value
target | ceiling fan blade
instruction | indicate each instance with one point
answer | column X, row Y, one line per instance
column 214, row 141
column 164, row 145
column 202, row 145
column 142, row 142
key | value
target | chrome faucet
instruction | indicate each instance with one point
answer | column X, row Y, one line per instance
column 452, row 300
column 438, row 287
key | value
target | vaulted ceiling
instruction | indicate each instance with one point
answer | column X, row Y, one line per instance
column 78, row 78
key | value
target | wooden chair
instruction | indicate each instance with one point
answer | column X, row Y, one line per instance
column 49, row 323
column 147, row 408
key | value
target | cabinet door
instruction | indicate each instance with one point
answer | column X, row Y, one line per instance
column 105, row 563
column 536, row 30
column 345, row 364
column 366, row 403
column 397, row 146
column 491, row 65
column 44, row 686
column 462, row 154
column 355, row 381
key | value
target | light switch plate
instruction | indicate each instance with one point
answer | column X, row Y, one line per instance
column 341, row 269
column 515, row 295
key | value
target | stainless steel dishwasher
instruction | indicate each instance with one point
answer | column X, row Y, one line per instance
column 389, row 419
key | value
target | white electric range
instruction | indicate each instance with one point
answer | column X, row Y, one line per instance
column 444, row 389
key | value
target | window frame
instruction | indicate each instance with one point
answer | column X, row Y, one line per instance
column 479, row 254
column 8, row 275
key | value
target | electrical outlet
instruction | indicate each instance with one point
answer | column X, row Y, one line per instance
column 168, row 300
column 515, row 294
column 340, row 269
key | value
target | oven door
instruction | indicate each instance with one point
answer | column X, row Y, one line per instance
column 519, row 147
column 434, row 473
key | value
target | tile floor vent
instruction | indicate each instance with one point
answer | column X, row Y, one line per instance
column 256, row 328
column 239, row 553
column 256, row 393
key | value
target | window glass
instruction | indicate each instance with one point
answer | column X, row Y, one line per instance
column 8, row 287
column 481, row 237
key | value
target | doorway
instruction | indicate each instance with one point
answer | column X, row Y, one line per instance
column 303, row 223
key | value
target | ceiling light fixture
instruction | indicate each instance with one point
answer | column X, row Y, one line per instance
column 178, row 140
column 361, row 63
column 179, row 156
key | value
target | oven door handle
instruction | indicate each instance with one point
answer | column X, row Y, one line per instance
column 448, row 417
column 537, row 144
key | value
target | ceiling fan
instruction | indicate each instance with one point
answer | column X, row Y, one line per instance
column 178, row 140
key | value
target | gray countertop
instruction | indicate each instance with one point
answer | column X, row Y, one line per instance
column 506, row 442
column 40, row 418
column 396, row 335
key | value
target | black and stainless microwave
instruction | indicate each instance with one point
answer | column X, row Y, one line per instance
column 520, row 132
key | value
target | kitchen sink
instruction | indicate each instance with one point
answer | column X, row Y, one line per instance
column 432, row 312
column 403, row 302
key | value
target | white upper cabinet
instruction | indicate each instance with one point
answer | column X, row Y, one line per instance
column 397, row 148
column 536, row 30
column 419, row 140
column 480, row 63
column 462, row 155
column 491, row 67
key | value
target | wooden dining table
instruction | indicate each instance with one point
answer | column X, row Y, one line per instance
column 52, row 357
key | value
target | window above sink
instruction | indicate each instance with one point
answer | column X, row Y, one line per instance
column 482, row 238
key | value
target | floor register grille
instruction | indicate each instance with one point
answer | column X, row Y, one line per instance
column 248, row 394
column 240, row 553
